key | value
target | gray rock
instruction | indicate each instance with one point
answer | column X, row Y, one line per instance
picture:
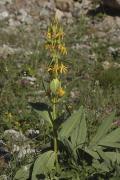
column 5, row 50
column 59, row 14
column 23, row 17
column 14, row 136
column 3, row 2
column 31, row 133
column 3, row 177
column 4, row 15
column 22, row 150
column 64, row 5
column 44, row 13
column 14, row 23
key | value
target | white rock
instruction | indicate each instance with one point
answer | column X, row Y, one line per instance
column 3, row 177
column 106, row 65
column 64, row 5
column 4, row 15
column 14, row 23
column 59, row 14
column 14, row 136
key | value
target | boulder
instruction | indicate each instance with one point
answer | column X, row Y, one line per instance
column 114, row 4
column 64, row 5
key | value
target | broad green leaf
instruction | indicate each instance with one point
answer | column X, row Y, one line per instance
column 46, row 117
column 113, row 156
column 103, row 129
column 23, row 173
column 110, row 144
column 92, row 153
column 44, row 111
column 111, row 138
column 103, row 156
column 70, row 124
column 100, row 166
column 78, row 136
column 43, row 164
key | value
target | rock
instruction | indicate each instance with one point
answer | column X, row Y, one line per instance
column 118, row 21
column 24, row 17
column 31, row 133
column 4, row 15
column 22, row 150
column 2, row 143
column 28, row 80
column 3, row 177
column 77, row 9
column 49, row 5
column 64, row 5
column 6, row 50
column 14, row 23
column 44, row 13
column 3, row 2
column 69, row 17
column 115, row 4
column 59, row 14
column 106, row 65
column 14, row 136
column 5, row 155
column 18, row 142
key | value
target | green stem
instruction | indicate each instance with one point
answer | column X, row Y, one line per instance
column 55, row 135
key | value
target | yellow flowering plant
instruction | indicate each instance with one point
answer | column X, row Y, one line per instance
column 72, row 154
column 56, row 48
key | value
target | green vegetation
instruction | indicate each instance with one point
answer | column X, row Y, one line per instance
column 78, row 136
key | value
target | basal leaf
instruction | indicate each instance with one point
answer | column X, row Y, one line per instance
column 111, row 138
column 23, row 173
column 43, row 164
column 43, row 110
column 78, row 136
column 92, row 153
column 103, row 129
column 70, row 124
column 45, row 115
column 113, row 156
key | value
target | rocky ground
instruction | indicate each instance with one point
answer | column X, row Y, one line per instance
column 23, row 24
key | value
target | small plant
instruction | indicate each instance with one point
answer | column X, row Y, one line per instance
column 73, row 154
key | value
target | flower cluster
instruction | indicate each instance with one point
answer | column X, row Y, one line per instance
column 56, row 47
column 54, row 39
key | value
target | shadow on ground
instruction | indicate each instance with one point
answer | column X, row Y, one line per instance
column 105, row 10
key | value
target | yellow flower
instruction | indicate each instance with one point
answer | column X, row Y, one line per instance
column 53, row 68
column 60, row 92
column 63, row 49
column 63, row 69
column 48, row 35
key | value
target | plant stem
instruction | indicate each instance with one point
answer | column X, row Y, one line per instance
column 55, row 134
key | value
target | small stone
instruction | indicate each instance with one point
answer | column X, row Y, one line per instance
column 44, row 13
column 14, row 23
column 59, row 14
column 64, row 5
column 31, row 133
column 106, row 65
column 118, row 21
column 4, row 15
column 3, row 177
column 14, row 136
